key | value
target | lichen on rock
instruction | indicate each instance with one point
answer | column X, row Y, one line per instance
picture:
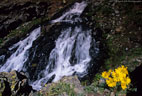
column 14, row 84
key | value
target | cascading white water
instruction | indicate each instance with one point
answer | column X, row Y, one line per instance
column 76, row 9
column 70, row 39
column 19, row 57
column 61, row 55
column 73, row 42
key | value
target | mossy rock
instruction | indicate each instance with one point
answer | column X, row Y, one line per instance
column 67, row 86
column 14, row 84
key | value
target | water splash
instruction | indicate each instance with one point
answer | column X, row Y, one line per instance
column 19, row 57
column 76, row 9
column 70, row 56
column 71, row 39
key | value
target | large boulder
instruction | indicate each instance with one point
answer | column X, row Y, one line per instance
column 67, row 86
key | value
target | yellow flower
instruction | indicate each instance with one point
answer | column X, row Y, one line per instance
column 110, row 82
column 123, row 86
column 124, row 70
column 128, row 80
column 115, row 76
column 105, row 74
column 110, row 71
column 125, row 81
column 120, row 74
column 118, row 71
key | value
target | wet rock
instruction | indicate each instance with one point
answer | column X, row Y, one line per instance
column 4, row 88
column 121, row 94
column 107, row 92
column 112, row 94
column 102, row 82
column 73, row 80
column 14, row 84
column 93, row 94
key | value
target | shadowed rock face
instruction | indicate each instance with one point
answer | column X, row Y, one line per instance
column 13, row 14
column 14, row 84
column 16, row 12
column 136, row 81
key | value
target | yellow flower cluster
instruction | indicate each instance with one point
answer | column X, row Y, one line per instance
column 113, row 77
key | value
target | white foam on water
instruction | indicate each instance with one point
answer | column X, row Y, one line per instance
column 70, row 39
column 76, row 9
column 20, row 56
column 77, row 40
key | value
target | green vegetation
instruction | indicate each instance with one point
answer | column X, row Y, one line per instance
column 22, row 30
column 59, row 89
column 95, row 86
column 25, row 27
column 119, row 54
column 123, row 40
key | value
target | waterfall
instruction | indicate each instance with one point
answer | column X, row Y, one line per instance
column 18, row 58
column 71, row 39
column 76, row 9
column 70, row 56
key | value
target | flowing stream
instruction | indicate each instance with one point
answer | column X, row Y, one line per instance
column 70, row 56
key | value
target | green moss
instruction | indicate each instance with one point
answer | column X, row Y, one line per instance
column 133, row 13
column 106, row 10
column 13, row 76
column 59, row 89
column 117, row 52
column 22, row 29
column 34, row 65
column 95, row 87
column 13, row 85
column 85, row 83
